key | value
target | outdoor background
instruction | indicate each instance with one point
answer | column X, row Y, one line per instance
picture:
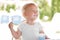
column 50, row 27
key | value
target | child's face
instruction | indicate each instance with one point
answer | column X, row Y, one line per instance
column 31, row 12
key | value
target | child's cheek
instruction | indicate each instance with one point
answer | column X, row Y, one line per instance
column 29, row 15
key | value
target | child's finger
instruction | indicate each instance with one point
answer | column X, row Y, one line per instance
column 10, row 25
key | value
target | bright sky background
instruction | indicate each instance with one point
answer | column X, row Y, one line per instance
column 50, row 28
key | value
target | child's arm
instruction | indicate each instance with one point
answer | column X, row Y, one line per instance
column 44, row 33
column 41, row 31
column 16, row 34
column 46, row 37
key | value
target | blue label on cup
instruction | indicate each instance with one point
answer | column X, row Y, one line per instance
column 4, row 19
column 42, row 38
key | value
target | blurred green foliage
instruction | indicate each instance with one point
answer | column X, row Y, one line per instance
column 46, row 10
column 2, row 7
column 8, row 7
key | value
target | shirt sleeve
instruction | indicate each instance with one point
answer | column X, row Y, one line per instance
column 20, row 27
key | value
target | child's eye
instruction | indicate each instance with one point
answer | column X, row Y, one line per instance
column 35, row 11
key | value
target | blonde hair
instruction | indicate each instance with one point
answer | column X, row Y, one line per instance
column 27, row 5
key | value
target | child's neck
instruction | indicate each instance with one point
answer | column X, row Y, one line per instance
column 30, row 22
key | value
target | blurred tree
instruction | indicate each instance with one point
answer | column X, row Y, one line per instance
column 46, row 10
column 10, row 7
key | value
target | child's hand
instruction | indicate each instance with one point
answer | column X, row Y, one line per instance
column 10, row 25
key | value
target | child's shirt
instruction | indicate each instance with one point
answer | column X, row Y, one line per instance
column 30, row 32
